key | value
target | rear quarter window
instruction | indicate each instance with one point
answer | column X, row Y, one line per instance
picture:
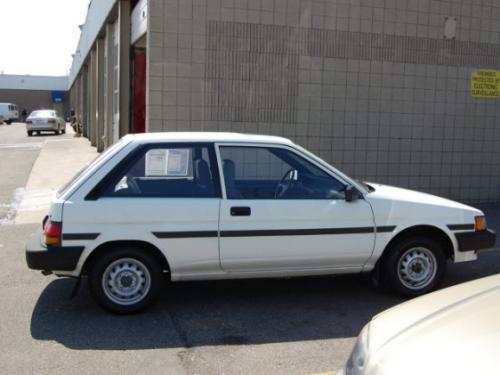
column 108, row 153
column 164, row 171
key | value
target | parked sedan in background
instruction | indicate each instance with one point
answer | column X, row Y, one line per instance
column 452, row 331
column 45, row 120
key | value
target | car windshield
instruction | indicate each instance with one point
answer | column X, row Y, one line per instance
column 43, row 114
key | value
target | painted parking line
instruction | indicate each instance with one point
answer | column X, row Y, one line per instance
column 6, row 146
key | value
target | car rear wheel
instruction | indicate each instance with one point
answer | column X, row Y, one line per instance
column 8, row 122
column 414, row 266
column 30, row 133
column 125, row 281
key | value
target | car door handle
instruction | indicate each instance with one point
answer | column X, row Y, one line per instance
column 240, row 211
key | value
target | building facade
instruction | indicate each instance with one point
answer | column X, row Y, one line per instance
column 35, row 92
column 403, row 92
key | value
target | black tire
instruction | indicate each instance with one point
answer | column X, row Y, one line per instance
column 407, row 261
column 64, row 131
column 105, row 261
column 8, row 122
column 30, row 133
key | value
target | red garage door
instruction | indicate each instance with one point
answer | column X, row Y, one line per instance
column 139, row 72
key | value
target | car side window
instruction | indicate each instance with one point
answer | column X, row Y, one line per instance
column 275, row 173
column 174, row 171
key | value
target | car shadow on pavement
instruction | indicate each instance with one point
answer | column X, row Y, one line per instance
column 241, row 312
column 213, row 313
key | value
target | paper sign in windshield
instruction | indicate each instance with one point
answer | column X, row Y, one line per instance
column 156, row 163
column 177, row 162
column 161, row 163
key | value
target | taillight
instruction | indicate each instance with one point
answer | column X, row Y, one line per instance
column 53, row 232
column 51, row 121
column 29, row 122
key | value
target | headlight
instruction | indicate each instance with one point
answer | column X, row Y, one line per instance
column 357, row 361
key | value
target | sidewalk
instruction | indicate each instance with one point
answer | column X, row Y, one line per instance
column 58, row 162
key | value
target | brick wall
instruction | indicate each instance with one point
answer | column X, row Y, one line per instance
column 371, row 86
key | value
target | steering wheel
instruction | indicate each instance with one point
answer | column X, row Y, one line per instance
column 284, row 184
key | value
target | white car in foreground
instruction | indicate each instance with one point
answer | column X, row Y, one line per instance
column 199, row 206
column 452, row 331
column 45, row 120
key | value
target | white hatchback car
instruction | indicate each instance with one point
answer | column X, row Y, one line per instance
column 199, row 206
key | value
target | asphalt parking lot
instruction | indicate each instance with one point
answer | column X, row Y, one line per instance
column 286, row 326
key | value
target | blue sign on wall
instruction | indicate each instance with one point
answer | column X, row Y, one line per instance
column 57, row 96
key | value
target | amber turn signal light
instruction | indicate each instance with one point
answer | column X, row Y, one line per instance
column 480, row 222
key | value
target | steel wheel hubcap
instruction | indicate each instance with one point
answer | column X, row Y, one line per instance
column 126, row 281
column 417, row 268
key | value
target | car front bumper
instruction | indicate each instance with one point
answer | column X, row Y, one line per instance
column 477, row 240
column 51, row 258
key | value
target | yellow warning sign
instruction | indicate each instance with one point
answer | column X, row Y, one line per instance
column 485, row 84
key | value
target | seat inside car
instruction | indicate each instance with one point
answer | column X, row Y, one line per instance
column 202, row 173
column 229, row 171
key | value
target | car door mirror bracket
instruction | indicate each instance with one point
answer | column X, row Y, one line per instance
column 350, row 193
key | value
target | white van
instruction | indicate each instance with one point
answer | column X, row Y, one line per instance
column 9, row 112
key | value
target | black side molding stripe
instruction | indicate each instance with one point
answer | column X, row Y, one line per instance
column 198, row 234
column 461, row 226
column 275, row 232
column 80, row 236
column 304, row 232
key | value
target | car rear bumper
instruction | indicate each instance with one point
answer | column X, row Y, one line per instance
column 51, row 258
column 41, row 127
column 477, row 240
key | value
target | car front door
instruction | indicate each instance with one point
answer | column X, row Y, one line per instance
column 284, row 212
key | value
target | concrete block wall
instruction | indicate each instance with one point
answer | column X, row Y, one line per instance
column 371, row 86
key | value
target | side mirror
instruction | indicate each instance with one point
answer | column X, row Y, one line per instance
column 350, row 193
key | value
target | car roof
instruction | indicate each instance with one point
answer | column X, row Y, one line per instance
column 40, row 111
column 209, row 137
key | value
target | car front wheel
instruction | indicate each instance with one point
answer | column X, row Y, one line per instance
column 125, row 281
column 414, row 266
